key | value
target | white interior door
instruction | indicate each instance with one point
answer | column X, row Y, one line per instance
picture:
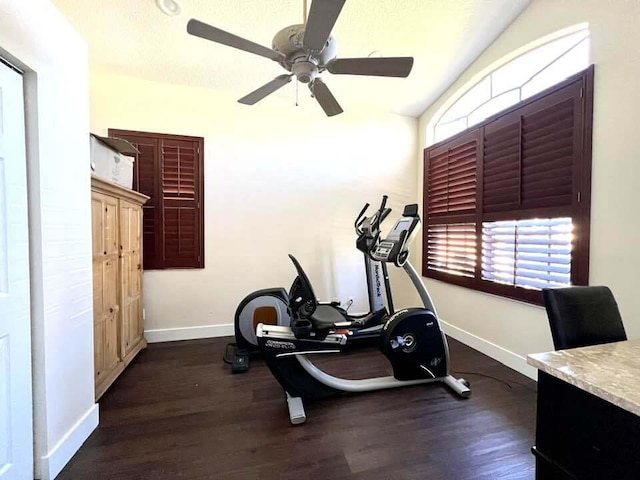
column 16, row 427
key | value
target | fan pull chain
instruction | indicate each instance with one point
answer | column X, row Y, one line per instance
column 297, row 92
column 304, row 11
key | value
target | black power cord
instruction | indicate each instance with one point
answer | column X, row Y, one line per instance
column 499, row 380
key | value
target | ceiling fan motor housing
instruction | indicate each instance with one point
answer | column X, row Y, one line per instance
column 289, row 41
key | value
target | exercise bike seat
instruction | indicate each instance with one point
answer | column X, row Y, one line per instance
column 322, row 316
column 327, row 317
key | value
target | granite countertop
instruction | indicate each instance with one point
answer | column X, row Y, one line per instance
column 610, row 371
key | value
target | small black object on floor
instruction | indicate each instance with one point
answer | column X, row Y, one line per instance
column 238, row 358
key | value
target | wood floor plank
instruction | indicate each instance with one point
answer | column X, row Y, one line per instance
column 178, row 413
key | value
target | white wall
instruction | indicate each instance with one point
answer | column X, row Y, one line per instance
column 278, row 179
column 36, row 37
column 516, row 329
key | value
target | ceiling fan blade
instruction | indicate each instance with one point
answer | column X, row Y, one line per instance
column 208, row 32
column 267, row 89
column 322, row 17
column 376, row 66
column 325, row 98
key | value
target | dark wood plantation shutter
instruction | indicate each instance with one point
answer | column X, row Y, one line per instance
column 145, row 180
column 501, row 166
column 531, row 157
column 169, row 170
column 180, row 176
column 532, row 154
column 450, row 207
column 452, row 177
column 529, row 221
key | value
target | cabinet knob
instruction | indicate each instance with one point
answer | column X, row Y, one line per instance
column 111, row 310
column 139, row 266
column 105, row 252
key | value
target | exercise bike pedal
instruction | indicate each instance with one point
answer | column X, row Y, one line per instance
column 240, row 362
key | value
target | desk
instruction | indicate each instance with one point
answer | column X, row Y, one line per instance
column 588, row 413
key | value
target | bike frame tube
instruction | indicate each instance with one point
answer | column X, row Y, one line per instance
column 374, row 272
column 387, row 289
column 422, row 290
column 427, row 302
column 357, row 386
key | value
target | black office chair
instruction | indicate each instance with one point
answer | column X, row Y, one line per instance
column 583, row 316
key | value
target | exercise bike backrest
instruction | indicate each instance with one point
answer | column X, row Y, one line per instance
column 302, row 297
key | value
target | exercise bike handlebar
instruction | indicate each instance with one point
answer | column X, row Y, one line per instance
column 360, row 218
column 384, row 214
column 381, row 211
column 374, row 221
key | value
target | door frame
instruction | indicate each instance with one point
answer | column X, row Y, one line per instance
column 38, row 394
column 13, row 69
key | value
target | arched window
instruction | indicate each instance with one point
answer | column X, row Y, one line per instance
column 540, row 66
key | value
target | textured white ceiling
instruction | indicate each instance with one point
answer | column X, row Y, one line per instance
column 133, row 37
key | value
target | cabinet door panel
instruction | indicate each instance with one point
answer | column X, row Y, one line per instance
column 111, row 336
column 97, row 224
column 98, row 350
column 111, row 226
column 110, row 286
column 135, row 323
column 98, row 297
column 135, row 275
column 131, row 274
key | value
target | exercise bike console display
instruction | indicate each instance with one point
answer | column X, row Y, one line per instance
column 394, row 248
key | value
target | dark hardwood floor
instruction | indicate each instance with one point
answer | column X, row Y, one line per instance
column 177, row 413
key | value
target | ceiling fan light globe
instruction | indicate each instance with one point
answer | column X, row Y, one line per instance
column 305, row 71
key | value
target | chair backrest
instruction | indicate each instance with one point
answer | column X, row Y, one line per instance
column 583, row 316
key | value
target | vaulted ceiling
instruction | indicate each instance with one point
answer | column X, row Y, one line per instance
column 444, row 36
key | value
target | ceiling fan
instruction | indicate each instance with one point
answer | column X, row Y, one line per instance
column 306, row 50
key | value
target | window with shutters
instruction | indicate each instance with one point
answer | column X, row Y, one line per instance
column 507, row 202
column 169, row 169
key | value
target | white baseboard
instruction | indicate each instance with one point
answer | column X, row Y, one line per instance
column 188, row 333
column 53, row 463
column 504, row 356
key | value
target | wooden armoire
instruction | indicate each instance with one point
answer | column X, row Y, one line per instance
column 117, row 279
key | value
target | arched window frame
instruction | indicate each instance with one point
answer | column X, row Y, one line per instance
column 581, row 34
